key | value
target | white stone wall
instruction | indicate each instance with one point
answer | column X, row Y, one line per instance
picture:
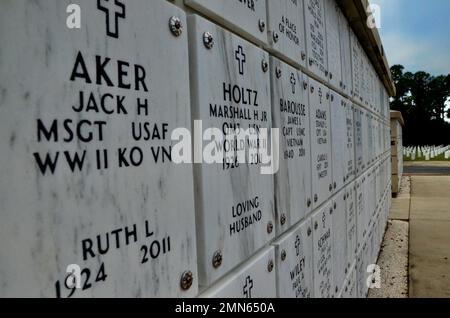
column 397, row 154
column 89, row 190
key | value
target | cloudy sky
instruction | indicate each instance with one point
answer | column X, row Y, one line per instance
column 416, row 34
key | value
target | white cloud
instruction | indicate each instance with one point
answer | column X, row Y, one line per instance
column 415, row 55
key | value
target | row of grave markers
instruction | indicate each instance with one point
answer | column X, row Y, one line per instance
column 427, row 152
column 90, row 194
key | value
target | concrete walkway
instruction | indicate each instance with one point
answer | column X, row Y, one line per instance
column 415, row 254
column 429, row 247
column 393, row 259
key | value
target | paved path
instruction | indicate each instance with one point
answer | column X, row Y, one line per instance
column 427, row 168
column 429, row 247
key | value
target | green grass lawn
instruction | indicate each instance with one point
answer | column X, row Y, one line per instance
column 438, row 158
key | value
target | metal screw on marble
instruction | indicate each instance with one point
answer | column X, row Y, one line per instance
column 186, row 280
column 330, row 187
column 176, row 26
column 264, row 65
column 326, row 73
column 305, row 85
column 262, row 25
column 309, row 231
column 312, row 89
column 275, row 37
column 208, row 40
column 269, row 227
column 332, row 97
column 331, row 211
column 270, row 266
column 316, row 225
column 278, row 72
column 303, row 56
column 311, row 62
column 283, row 255
column 217, row 259
column 283, row 219
column 336, row 289
column 316, row 198
column 335, row 185
column 308, row 203
column 328, row 95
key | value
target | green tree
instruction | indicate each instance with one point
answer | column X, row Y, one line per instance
column 422, row 98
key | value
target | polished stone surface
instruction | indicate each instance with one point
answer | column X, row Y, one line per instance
column 341, row 146
column 321, row 156
column 346, row 58
column 294, row 262
column 332, row 12
column 254, row 279
column 323, row 244
column 316, row 42
column 244, row 17
column 350, row 286
column 286, row 28
column 350, row 201
column 339, row 220
column 81, row 183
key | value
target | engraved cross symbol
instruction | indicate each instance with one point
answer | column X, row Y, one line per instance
column 248, row 287
column 241, row 58
column 293, row 82
column 113, row 9
column 297, row 245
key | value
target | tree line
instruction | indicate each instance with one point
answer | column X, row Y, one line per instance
column 422, row 99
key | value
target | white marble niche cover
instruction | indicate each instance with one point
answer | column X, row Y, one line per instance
column 294, row 262
column 323, row 245
column 321, row 140
column 234, row 201
column 291, row 113
column 247, row 18
column 339, row 140
column 332, row 11
column 286, row 28
column 316, row 42
column 256, row 278
column 79, row 184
